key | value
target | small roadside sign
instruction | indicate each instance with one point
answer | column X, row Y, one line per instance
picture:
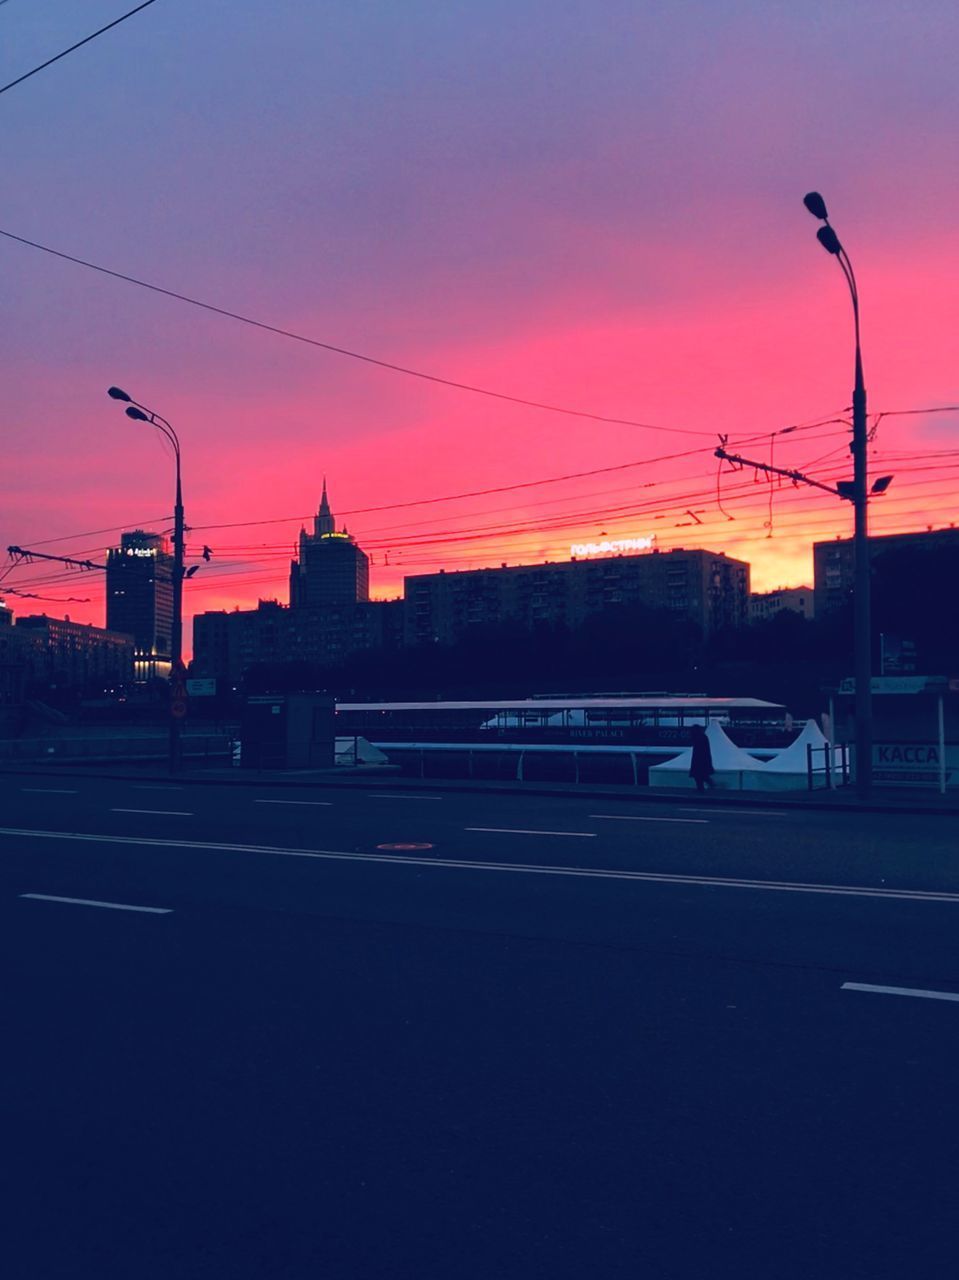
column 201, row 688
column 178, row 708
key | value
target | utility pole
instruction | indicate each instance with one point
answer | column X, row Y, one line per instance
column 862, row 603
column 177, row 670
column 862, row 614
column 140, row 413
column 853, row 491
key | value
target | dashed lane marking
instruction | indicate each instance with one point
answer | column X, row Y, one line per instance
column 632, row 817
column 163, row 813
column 50, row 791
column 325, row 803
column 739, row 812
column 516, row 868
column 917, row 992
column 94, row 902
column 390, row 795
column 522, row 831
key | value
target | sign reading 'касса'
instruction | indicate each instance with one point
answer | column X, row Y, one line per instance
column 913, row 764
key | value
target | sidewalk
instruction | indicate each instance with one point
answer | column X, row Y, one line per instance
column 892, row 800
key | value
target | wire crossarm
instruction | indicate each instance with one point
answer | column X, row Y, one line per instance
column 797, row 477
column 24, row 556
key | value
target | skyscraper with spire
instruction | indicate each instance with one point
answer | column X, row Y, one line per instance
column 330, row 568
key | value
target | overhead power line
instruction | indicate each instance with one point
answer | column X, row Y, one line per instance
column 344, row 351
column 507, row 488
column 79, row 44
column 32, row 595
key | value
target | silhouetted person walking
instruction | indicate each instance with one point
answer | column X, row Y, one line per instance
column 701, row 764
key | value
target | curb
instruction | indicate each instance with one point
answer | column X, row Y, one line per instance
column 353, row 778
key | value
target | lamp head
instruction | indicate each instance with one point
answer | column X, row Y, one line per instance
column 829, row 240
column 116, row 393
column 816, row 205
column 881, row 485
column 137, row 414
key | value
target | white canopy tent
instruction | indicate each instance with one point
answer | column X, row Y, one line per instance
column 730, row 764
column 789, row 769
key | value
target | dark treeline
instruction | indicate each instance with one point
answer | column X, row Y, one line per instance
column 632, row 649
column 622, row 650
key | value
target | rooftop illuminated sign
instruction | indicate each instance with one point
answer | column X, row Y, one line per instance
column 612, row 547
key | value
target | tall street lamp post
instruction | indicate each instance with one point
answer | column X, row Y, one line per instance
column 140, row 413
column 862, row 609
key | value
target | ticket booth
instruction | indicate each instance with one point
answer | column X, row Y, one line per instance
column 287, row 731
column 915, row 729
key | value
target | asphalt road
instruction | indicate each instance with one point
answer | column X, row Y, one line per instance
column 564, row 1038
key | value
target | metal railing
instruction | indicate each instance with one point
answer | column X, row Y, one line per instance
column 832, row 772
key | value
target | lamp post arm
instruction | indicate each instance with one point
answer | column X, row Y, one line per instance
column 163, row 425
column 846, row 263
column 162, row 422
column 854, row 291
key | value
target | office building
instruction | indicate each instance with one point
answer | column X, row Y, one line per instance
column 12, row 668
column 58, row 655
column 767, row 604
column 140, row 599
column 708, row 588
column 834, row 563
column 330, row 568
column 227, row 644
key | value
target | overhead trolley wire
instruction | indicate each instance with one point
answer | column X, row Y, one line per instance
column 345, row 351
column 79, row 44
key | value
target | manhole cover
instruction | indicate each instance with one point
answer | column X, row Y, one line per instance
column 395, row 848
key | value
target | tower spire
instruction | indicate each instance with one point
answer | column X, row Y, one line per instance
column 325, row 522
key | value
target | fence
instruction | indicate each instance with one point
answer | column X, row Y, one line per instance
column 832, row 772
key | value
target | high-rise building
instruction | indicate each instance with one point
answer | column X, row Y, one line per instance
column 834, row 563
column 140, row 599
column 330, row 569
column 709, row 588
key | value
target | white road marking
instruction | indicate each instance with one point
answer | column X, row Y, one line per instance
column 631, row 817
column 759, row 813
column 143, row 786
column 900, row 991
column 310, row 802
column 49, row 791
column 93, row 902
column 462, row 864
column 522, row 831
column 165, row 813
column 389, row 795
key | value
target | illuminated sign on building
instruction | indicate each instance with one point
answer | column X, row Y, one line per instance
column 139, row 551
column 615, row 546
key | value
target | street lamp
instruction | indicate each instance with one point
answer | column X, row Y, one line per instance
column 140, row 413
column 862, row 664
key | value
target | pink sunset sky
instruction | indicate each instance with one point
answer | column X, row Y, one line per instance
column 592, row 205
